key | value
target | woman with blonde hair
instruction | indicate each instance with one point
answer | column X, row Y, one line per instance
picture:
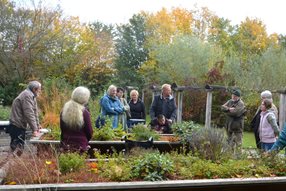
column 75, row 122
column 137, row 109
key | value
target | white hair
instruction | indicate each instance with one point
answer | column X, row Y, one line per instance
column 72, row 113
column 111, row 87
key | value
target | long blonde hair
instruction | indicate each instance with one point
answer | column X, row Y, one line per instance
column 72, row 113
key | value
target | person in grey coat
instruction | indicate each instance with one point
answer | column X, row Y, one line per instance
column 234, row 110
column 24, row 114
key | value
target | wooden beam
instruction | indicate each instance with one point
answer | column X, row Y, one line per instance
column 208, row 110
column 282, row 110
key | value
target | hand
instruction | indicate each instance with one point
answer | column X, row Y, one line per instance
column 170, row 121
column 231, row 109
column 35, row 133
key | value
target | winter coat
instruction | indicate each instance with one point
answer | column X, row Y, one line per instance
column 281, row 141
column 76, row 138
column 24, row 111
column 137, row 110
column 235, row 120
column 166, row 106
column 268, row 128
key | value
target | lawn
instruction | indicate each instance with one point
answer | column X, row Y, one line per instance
column 248, row 140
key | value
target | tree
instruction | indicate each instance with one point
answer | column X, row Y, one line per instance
column 131, row 51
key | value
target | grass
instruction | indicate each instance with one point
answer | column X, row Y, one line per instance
column 248, row 140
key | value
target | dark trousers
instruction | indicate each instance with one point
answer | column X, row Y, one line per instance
column 18, row 136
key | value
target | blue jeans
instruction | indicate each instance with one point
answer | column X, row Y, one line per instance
column 266, row 146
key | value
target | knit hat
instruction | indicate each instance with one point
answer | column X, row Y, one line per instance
column 236, row 92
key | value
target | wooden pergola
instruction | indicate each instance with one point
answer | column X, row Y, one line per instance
column 178, row 95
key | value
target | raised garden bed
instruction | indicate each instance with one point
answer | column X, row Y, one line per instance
column 110, row 146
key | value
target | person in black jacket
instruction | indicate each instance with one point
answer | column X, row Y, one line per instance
column 161, row 125
column 164, row 104
column 137, row 110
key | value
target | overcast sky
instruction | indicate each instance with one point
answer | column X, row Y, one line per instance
column 271, row 12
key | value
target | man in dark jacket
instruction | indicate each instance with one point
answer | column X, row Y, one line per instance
column 164, row 104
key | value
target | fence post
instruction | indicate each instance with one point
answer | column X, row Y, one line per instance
column 180, row 107
column 208, row 109
column 282, row 110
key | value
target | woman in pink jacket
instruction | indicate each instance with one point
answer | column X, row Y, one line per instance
column 268, row 128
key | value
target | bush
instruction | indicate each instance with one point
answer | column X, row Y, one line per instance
column 71, row 162
column 142, row 133
column 210, row 144
column 152, row 167
column 4, row 113
column 185, row 130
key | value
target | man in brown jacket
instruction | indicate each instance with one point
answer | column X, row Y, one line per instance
column 234, row 110
column 24, row 113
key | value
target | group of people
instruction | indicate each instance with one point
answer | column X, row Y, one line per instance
column 264, row 123
column 75, row 119
column 76, row 126
column 163, row 110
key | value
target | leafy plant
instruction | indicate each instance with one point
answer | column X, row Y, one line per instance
column 4, row 112
column 153, row 167
column 71, row 162
column 141, row 133
column 185, row 130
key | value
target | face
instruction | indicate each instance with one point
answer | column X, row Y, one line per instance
column 166, row 91
column 119, row 94
column 37, row 91
column 263, row 108
column 113, row 92
column 134, row 96
column 234, row 97
column 161, row 121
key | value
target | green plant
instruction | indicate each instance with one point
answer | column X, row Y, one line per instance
column 142, row 133
column 71, row 162
column 185, row 130
column 4, row 112
column 104, row 133
column 210, row 144
column 152, row 167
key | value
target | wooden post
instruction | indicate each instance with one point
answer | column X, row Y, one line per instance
column 180, row 107
column 282, row 110
column 208, row 109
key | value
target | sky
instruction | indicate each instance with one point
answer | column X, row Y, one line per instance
column 271, row 12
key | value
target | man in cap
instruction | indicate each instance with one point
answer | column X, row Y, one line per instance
column 255, row 122
column 234, row 110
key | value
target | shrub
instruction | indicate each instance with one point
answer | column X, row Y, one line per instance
column 210, row 144
column 4, row 113
column 142, row 133
column 185, row 130
column 152, row 167
column 71, row 162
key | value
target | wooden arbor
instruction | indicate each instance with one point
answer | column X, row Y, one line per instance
column 178, row 94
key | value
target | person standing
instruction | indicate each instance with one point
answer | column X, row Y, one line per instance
column 137, row 109
column 111, row 106
column 75, row 121
column 24, row 114
column 234, row 110
column 126, row 113
column 164, row 104
column 255, row 122
column 268, row 128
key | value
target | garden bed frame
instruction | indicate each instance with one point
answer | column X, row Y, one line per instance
column 234, row 184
